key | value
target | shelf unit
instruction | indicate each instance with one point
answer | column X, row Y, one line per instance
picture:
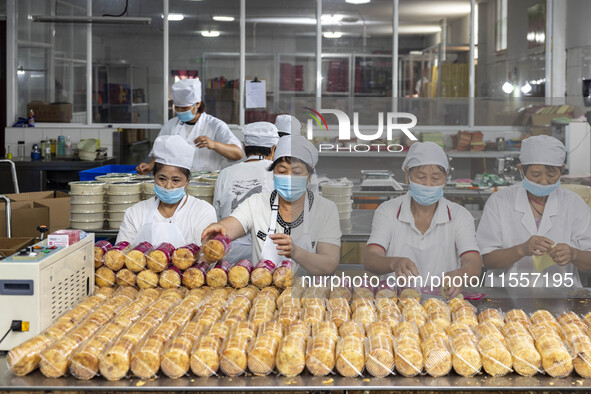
column 119, row 94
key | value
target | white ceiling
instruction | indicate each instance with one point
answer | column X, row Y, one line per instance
column 418, row 17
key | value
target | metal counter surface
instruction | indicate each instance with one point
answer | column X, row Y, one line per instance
column 505, row 299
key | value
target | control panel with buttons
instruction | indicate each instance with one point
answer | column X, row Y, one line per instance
column 34, row 253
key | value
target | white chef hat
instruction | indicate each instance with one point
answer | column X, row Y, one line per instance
column 425, row 153
column 288, row 124
column 260, row 134
column 542, row 149
column 173, row 150
column 186, row 92
column 297, row 146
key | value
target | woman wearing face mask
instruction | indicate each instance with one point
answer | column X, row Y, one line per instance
column 291, row 221
column 216, row 143
column 536, row 226
column 421, row 234
column 172, row 216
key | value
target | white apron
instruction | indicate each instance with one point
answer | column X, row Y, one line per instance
column 204, row 159
column 156, row 233
column 269, row 250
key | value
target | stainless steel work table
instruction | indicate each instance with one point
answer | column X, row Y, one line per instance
column 527, row 299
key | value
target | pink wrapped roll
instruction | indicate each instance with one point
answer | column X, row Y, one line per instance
column 282, row 276
column 100, row 248
column 115, row 257
column 216, row 248
column 135, row 259
column 262, row 275
column 239, row 274
column 195, row 276
column 170, row 278
column 217, row 276
column 184, row 257
column 159, row 258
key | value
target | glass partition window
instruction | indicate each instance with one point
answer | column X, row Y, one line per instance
column 51, row 63
column 205, row 44
column 127, row 65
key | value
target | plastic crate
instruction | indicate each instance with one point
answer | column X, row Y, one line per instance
column 91, row 174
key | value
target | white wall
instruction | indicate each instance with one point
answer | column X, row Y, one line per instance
column 578, row 46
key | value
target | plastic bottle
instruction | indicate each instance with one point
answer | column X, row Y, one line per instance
column 47, row 156
column 31, row 118
column 61, row 146
column 35, row 153
column 21, row 150
column 9, row 153
column 43, row 145
column 53, row 147
column 68, row 150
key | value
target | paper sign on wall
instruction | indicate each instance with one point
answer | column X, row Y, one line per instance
column 256, row 93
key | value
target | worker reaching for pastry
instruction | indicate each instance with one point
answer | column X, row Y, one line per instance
column 536, row 226
column 172, row 216
column 216, row 145
column 422, row 234
column 240, row 181
column 291, row 221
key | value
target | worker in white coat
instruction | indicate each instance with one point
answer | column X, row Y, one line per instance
column 216, row 145
column 291, row 222
column 422, row 234
column 288, row 125
column 536, row 227
column 171, row 216
column 237, row 183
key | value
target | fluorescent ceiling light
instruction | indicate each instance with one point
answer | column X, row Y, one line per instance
column 174, row 17
column 508, row 88
column 333, row 34
column 332, row 18
column 221, row 18
column 301, row 20
column 357, row 1
column 419, row 29
column 123, row 20
column 435, row 8
column 210, row 33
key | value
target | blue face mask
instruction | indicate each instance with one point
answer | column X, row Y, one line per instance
column 290, row 187
column 186, row 116
column 425, row 195
column 539, row 190
column 169, row 196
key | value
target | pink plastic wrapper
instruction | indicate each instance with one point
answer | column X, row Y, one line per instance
column 224, row 265
column 193, row 248
column 266, row 264
column 120, row 246
column 143, row 247
column 284, row 264
column 203, row 267
column 211, row 250
column 167, row 249
column 245, row 264
column 104, row 245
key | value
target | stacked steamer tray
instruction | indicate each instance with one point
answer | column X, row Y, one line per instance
column 340, row 191
column 121, row 195
column 201, row 190
column 147, row 189
column 87, row 210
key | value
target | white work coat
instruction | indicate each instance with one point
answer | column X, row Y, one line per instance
column 205, row 159
column 450, row 235
column 508, row 220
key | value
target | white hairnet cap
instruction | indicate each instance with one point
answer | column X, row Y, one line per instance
column 288, row 124
column 542, row 149
column 174, row 150
column 425, row 153
column 297, row 146
column 186, row 92
column 260, row 134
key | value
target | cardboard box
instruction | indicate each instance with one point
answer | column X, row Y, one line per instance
column 57, row 203
column 26, row 217
column 63, row 238
column 9, row 246
column 55, row 112
column 539, row 130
